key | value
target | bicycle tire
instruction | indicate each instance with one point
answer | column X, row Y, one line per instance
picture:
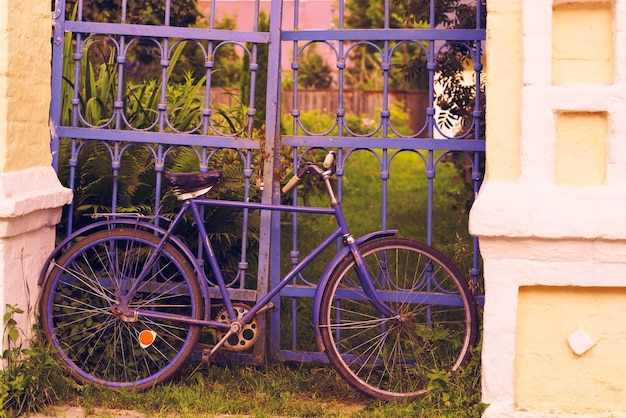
column 392, row 358
column 101, row 347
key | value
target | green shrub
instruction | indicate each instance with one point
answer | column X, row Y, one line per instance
column 31, row 378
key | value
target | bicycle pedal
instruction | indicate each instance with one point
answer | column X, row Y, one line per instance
column 206, row 357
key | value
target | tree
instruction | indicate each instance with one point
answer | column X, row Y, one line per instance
column 370, row 14
column 365, row 69
column 146, row 12
column 313, row 72
column 416, row 11
column 458, row 97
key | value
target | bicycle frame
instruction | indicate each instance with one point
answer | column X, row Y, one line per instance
column 139, row 280
column 195, row 206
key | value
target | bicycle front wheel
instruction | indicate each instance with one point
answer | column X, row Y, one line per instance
column 100, row 335
column 433, row 326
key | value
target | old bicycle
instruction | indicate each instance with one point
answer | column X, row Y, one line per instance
column 124, row 306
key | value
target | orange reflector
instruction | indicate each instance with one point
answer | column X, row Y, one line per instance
column 146, row 338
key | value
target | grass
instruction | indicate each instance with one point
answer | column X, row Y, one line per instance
column 281, row 389
column 272, row 390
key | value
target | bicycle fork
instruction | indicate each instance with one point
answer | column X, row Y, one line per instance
column 362, row 271
column 366, row 280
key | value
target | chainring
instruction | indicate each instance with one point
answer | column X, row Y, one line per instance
column 246, row 337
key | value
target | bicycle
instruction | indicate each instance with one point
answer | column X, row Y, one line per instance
column 124, row 305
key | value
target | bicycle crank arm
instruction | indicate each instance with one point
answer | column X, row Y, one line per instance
column 233, row 330
column 267, row 308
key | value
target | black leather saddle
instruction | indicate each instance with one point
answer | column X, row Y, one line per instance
column 189, row 185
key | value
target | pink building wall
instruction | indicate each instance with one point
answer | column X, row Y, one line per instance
column 313, row 14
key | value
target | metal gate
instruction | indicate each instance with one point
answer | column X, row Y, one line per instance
column 137, row 94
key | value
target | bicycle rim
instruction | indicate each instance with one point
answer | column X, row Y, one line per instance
column 433, row 330
column 80, row 317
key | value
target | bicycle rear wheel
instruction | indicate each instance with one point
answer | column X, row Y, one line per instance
column 83, row 318
column 434, row 326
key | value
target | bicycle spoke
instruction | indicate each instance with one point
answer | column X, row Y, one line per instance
column 433, row 326
column 86, row 315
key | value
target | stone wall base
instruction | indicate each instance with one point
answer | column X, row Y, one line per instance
column 542, row 295
column 555, row 269
column 30, row 208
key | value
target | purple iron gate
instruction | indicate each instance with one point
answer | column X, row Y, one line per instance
column 137, row 95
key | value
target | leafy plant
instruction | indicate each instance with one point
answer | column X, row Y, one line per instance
column 457, row 98
column 31, row 377
column 93, row 185
column 459, row 392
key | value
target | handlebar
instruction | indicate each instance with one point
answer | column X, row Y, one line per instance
column 328, row 164
column 329, row 160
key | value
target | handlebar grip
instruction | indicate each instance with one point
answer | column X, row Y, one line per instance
column 291, row 183
column 329, row 160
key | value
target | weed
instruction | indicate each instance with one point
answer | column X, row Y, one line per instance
column 31, row 378
column 459, row 392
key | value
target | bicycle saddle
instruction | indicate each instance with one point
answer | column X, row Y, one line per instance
column 190, row 185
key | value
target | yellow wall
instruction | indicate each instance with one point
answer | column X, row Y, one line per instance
column 582, row 42
column 503, row 85
column 581, row 139
column 582, row 53
column 549, row 376
column 24, row 98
